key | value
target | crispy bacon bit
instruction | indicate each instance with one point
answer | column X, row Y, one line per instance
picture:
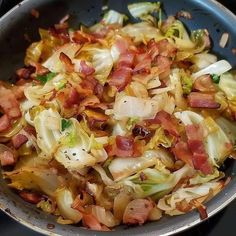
column 32, row 198
column 196, row 145
column 163, row 66
column 67, row 62
column 18, row 140
column 9, row 104
column 82, row 37
column 5, row 123
column 125, row 147
column 34, row 13
column 72, row 99
column 166, row 49
column 137, row 211
column 7, row 158
column 120, row 78
column 204, row 83
column 126, row 60
column 86, row 69
column 39, row 69
column 202, row 100
column 125, row 143
column 166, row 121
column 90, row 221
column 153, row 49
column 182, row 152
column 143, row 63
column 25, row 73
column 122, row 45
column 183, row 206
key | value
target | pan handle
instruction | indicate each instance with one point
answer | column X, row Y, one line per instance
column 6, row 5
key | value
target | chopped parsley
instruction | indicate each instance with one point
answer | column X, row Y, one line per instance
column 45, row 78
column 215, row 78
column 65, row 124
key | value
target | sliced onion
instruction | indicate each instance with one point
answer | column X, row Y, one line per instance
column 105, row 217
column 218, row 68
column 120, row 203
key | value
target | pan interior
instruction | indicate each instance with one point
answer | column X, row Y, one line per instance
column 13, row 30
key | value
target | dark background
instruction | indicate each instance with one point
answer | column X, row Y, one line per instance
column 220, row 225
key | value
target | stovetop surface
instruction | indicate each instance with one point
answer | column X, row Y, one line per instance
column 221, row 224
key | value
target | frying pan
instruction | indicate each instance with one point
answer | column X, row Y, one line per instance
column 18, row 23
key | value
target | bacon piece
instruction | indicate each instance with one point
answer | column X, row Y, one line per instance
column 9, row 104
column 39, row 69
column 137, row 211
column 201, row 163
column 90, row 221
column 60, row 33
column 166, row 121
column 204, row 83
column 163, row 66
column 7, row 158
column 125, row 143
column 5, row 123
column 25, row 73
column 18, row 140
column 82, row 37
column 72, row 99
column 194, row 132
column 67, row 62
column 182, row 152
column 166, row 48
column 32, row 198
column 195, row 137
column 143, row 63
column 86, row 69
column 125, row 147
column 89, row 83
column 202, row 100
column 153, row 49
column 122, row 44
column 120, row 78
column 126, row 60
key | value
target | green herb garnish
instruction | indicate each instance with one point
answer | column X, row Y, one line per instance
column 215, row 78
column 65, row 124
column 45, row 78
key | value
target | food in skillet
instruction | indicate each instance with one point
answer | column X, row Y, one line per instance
column 119, row 123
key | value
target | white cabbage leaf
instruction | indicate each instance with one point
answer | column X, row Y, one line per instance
column 114, row 17
column 34, row 178
column 142, row 32
column 157, row 182
column 228, row 85
column 36, row 93
column 128, row 106
column 123, row 167
column 47, row 125
column 98, row 57
column 64, row 200
column 171, row 203
column 54, row 63
column 141, row 9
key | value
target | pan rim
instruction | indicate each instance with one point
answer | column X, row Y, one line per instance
column 171, row 232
